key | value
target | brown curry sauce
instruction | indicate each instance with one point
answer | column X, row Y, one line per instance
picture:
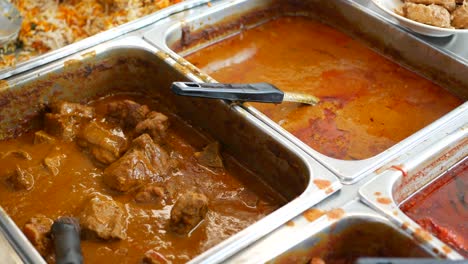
column 236, row 199
column 368, row 103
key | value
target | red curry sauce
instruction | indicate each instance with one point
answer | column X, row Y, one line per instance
column 236, row 199
column 442, row 208
column 368, row 103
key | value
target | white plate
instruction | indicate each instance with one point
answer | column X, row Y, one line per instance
column 389, row 6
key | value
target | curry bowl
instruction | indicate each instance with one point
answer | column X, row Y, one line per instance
column 208, row 32
column 130, row 69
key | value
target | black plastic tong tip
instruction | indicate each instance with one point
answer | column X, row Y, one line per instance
column 66, row 236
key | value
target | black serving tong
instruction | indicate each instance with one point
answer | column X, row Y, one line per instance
column 251, row 92
column 66, row 235
column 408, row 261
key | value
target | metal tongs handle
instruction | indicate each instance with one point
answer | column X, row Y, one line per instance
column 252, row 92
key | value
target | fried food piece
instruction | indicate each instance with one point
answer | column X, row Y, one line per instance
column 433, row 15
column 448, row 4
column 460, row 17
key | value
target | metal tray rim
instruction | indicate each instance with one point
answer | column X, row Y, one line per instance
column 305, row 229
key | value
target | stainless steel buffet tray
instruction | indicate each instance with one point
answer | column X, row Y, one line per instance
column 349, row 204
column 68, row 71
column 409, row 173
column 347, row 16
column 305, row 232
column 131, row 64
column 98, row 38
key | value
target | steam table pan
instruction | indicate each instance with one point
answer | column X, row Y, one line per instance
column 408, row 174
column 131, row 64
column 205, row 25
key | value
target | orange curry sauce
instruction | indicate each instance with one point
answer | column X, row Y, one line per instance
column 232, row 205
column 442, row 208
column 368, row 103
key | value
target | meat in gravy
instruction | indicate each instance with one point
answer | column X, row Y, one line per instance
column 131, row 177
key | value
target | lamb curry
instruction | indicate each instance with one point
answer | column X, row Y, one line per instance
column 144, row 185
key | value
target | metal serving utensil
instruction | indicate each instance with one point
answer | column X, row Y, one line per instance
column 10, row 23
column 252, row 92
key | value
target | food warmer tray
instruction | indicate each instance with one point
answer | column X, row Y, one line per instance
column 97, row 39
column 135, row 64
column 373, row 199
column 356, row 200
column 349, row 17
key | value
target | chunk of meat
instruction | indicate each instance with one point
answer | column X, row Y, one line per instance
column 42, row 137
column 149, row 193
column 65, row 120
column 54, row 162
column 460, row 16
column 106, row 145
column 188, row 211
column 154, row 257
column 145, row 161
column 37, row 230
column 104, row 218
column 72, row 109
column 155, row 125
column 21, row 179
column 433, row 15
column 62, row 127
column 210, row 156
column 448, row 4
column 127, row 113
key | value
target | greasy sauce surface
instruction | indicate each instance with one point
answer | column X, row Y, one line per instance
column 368, row 103
column 442, row 208
column 357, row 240
column 232, row 206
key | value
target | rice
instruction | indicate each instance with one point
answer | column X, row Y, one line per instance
column 51, row 24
